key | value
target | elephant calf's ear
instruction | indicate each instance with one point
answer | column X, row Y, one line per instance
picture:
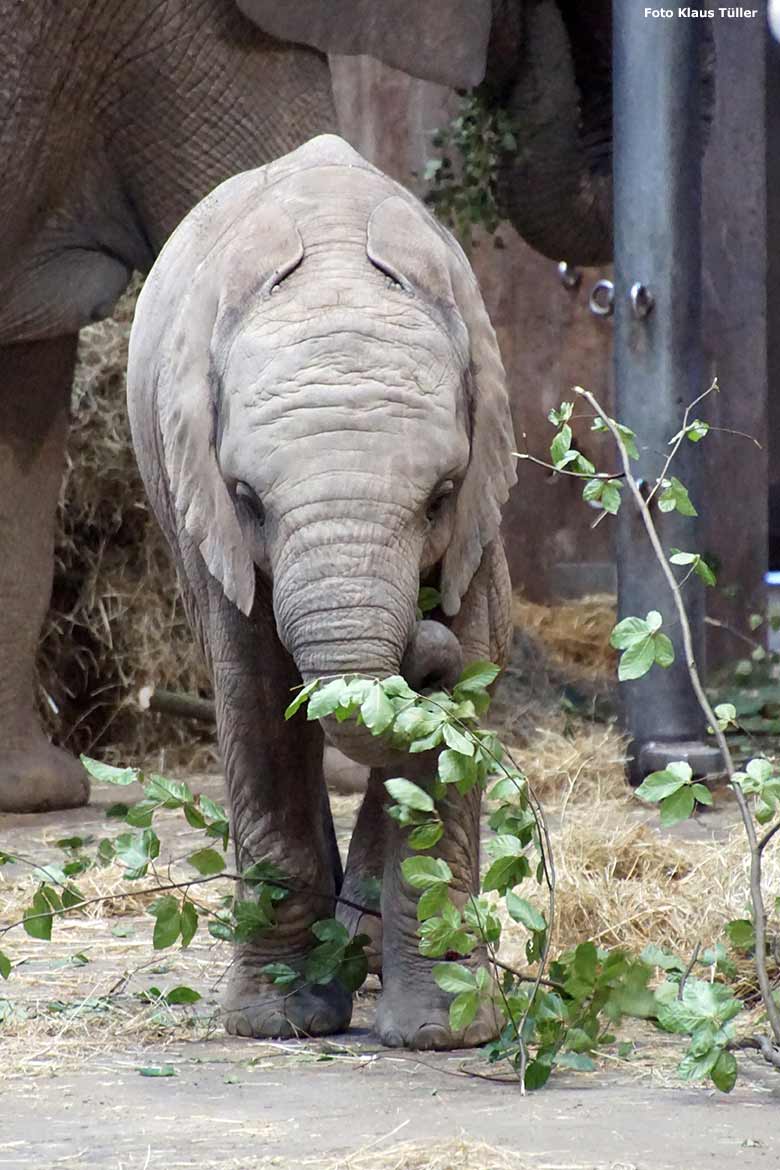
column 223, row 282
column 408, row 244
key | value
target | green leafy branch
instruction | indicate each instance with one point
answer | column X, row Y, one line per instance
column 675, row 783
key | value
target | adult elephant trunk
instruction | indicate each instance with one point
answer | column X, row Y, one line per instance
column 341, row 612
column 556, row 85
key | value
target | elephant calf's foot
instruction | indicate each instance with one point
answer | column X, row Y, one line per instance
column 419, row 1018
column 41, row 778
column 254, row 1007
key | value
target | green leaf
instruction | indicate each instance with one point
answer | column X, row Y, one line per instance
column 637, row 660
column 397, row 687
column 455, row 768
column 106, row 774
column 656, row 956
column 454, row 977
column 136, row 850
column 377, row 710
column 561, row 444
column 477, row 676
column 741, row 934
column 301, row 697
column 611, row 498
column 5, row 965
column 463, row 1010
column 330, row 930
column 163, row 1070
column 188, row 923
column 677, row 807
column 457, row 740
column 181, row 995
column 280, row 973
column 663, row 650
column 660, row 784
column 167, row 926
column 724, row 1072
column 222, row 931
column 427, row 835
column 522, row 911
column 703, row 570
column 593, row 489
column 629, row 632
column 505, row 873
column 696, row 430
column 675, row 496
column 409, row 794
column 38, row 919
column 432, row 901
column 207, row 862
column 252, row 919
column 702, row 793
column 428, row 599
column 537, row 1074
column 579, row 1061
column 325, row 701
column 423, row 872
column 562, row 414
column 654, row 620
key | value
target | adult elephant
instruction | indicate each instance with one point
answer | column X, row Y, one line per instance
column 115, row 120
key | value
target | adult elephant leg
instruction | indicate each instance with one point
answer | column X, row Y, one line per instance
column 365, row 868
column 35, row 382
column 279, row 812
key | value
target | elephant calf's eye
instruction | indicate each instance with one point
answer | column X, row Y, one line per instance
column 250, row 499
column 435, row 503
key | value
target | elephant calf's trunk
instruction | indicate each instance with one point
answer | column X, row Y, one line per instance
column 433, row 658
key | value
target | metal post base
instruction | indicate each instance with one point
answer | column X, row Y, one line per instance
column 654, row 755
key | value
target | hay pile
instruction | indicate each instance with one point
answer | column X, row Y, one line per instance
column 620, row 879
column 115, row 621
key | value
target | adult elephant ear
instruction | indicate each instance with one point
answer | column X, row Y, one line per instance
column 406, row 242
column 185, row 316
column 439, row 40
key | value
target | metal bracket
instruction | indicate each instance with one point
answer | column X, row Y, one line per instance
column 602, row 298
column 571, row 277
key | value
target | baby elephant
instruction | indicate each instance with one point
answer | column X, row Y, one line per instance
column 320, row 415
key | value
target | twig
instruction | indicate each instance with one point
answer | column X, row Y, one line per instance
column 675, row 447
column 159, row 889
column 527, row 976
column 605, row 475
column 688, row 970
column 756, row 892
column 762, row 1044
column 719, row 625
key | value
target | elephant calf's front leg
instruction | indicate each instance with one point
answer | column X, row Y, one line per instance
column 279, row 814
column 414, row 1011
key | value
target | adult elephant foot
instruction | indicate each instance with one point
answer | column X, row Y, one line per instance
column 41, row 778
column 255, row 1008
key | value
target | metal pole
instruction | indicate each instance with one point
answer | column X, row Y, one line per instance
column 658, row 350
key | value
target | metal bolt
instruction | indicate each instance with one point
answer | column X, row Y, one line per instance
column 571, row 277
column 642, row 300
column 602, row 298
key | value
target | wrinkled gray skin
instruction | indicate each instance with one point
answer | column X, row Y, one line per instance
column 319, row 413
column 115, row 120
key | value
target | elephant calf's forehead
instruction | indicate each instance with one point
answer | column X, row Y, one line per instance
column 340, row 350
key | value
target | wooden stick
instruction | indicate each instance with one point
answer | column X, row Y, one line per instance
column 176, row 703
